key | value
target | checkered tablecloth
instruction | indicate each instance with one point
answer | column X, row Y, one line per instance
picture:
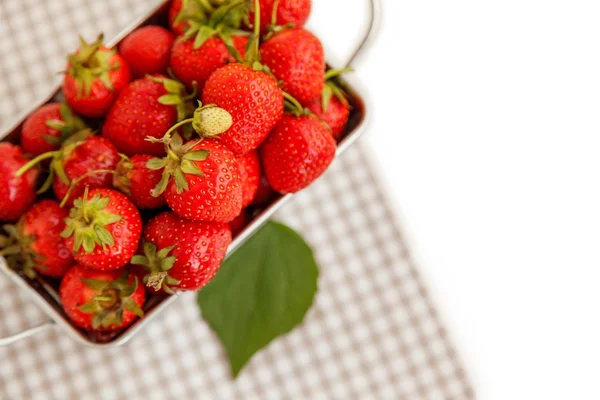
column 372, row 332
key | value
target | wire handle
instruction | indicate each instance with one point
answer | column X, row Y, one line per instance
column 26, row 333
column 370, row 34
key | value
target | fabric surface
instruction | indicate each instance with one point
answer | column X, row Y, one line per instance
column 372, row 332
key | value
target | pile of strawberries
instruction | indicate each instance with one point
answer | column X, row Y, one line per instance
column 161, row 147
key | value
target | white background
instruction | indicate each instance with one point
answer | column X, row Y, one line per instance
column 486, row 125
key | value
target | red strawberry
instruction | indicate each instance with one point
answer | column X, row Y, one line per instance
column 191, row 63
column 136, row 180
column 79, row 161
column 295, row 56
column 94, row 77
column 252, row 98
column 147, row 107
column 35, row 245
column 17, row 191
column 101, row 301
column 182, row 254
column 294, row 12
column 201, row 180
column 238, row 223
column 336, row 114
column 146, row 50
column 48, row 127
column 298, row 151
column 250, row 174
column 264, row 194
column 333, row 107
column 103, row 230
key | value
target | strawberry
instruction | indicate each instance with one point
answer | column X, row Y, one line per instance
column 191, row 63
column 103, row 229
column 136, row 180
column 146, row 107
column 94, row 77
column 101, row 301
column 264, row 194
column 289, row 12
column 181, row 254
column 146, row 50
column 296, row 57
column 205, row 47
column 48, row 127
column 17, row 191
column 250, row 174
column 252, row 98
column 298, row 151
column 238, row 223
column 333, row 107
column 201, row 179
column 35, row 245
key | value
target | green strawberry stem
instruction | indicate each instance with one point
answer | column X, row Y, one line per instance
column 32, row 163
column 207, row 6
column 274, row 14
column 293, row 106
column 76, row 181
column 332, row 73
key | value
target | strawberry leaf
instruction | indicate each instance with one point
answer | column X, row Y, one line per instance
column 262, row 291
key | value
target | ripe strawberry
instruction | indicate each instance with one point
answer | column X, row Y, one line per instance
column 295, row 57
column 294, row 12
column 79, row 163
column 250, row 174
column 136, row 180
column 17, row 191
column 298, row 151
column 336, row 114
column 95, row 75
column 146, row 50
column 201, row 180
column 35, row 245
column 103, row 229
column 48, row 127
column 146, row 107
column 264, row 194
column 101, row 301
column 238, row 223
column 182, row 254
column 333, row 107
column 191, row 63
column 252, row 98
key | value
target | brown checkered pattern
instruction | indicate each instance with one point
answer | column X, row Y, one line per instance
column 372, row 332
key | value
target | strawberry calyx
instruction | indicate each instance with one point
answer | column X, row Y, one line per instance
column 90, row 63
column 15, row 247
column 87, row 222
column 68, row 125
column 194, row 12
column 178, row 163
column 333, row 88
column 223, row 22
column 112, row 299
column 158, row 263
column 209, row 121
column 58, row 156
column 176, row 94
